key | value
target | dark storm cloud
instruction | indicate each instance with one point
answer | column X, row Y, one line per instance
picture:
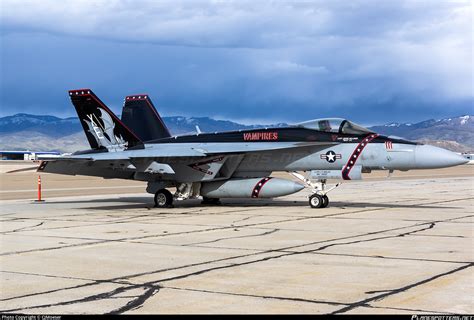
column 372, row 61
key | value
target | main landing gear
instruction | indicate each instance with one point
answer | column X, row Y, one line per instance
column 318, row 198
column 163, row 199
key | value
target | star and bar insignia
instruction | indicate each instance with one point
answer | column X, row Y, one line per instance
column 331, row 156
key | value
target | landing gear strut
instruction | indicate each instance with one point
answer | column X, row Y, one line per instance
column 318, row 198
column 163, row 199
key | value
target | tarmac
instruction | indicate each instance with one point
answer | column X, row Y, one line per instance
column 399, row 245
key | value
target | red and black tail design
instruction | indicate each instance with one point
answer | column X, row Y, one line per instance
column 140, row 115
column 102, row 127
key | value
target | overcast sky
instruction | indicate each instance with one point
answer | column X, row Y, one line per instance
column 256, row 61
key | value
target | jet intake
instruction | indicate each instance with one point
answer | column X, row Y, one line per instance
column 266, row 187
column 354, row 174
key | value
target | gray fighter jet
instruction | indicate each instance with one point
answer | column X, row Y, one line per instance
column 234, row 164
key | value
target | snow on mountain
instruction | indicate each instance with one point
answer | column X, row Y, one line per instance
column 458, row 129
column 24, row 131
column 21, row 130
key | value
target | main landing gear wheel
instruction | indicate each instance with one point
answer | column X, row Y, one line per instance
column 211, row 201
column 318, row 201
column 163, row 199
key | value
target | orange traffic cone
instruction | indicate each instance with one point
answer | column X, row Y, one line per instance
column 39, row 190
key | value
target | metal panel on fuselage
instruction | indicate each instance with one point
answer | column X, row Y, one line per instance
column 373, row 156
column 301, row 159
column 274, row 135
column 330, row 150
column 202, row 157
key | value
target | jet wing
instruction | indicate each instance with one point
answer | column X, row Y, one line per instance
column 244, row 147
column 177, row 161
column 179, row 150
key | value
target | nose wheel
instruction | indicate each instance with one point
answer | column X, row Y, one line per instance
column 318, row 201
column 319, row 198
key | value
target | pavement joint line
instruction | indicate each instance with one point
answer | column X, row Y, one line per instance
column 297, row 299
column 155, row 283
column 106, row 295
column 196, row 231
column 139, row 293
column 408, row 309
column 391, row 258
column 334, row 303
column 196, row 244
column 208, row 262
column 55, row 276
column 401, row 289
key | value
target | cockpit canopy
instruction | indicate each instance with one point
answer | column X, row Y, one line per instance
column 335, row 125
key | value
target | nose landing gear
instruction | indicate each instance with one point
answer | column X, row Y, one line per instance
column 318, row 201
column 318, row 198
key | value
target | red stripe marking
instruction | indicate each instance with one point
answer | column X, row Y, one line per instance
column 258, row 187
column 355, row 155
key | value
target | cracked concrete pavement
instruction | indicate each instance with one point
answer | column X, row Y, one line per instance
column 383, row 246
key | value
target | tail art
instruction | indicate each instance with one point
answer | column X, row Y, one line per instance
column 102, row 127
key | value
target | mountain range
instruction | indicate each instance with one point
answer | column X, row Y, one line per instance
column 47, row 133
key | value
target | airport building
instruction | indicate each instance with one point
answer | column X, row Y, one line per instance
column 24, row 155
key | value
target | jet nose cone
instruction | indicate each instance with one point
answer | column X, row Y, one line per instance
column 429, row 157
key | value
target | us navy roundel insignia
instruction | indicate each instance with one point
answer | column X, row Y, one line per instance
column 331, row 156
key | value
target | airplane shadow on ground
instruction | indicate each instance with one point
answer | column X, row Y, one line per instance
column 147, row 203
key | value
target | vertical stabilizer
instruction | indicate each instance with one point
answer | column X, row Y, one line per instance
column 102, row 127
column 140, row 115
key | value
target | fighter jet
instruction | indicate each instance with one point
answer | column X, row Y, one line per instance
column 233, row 164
